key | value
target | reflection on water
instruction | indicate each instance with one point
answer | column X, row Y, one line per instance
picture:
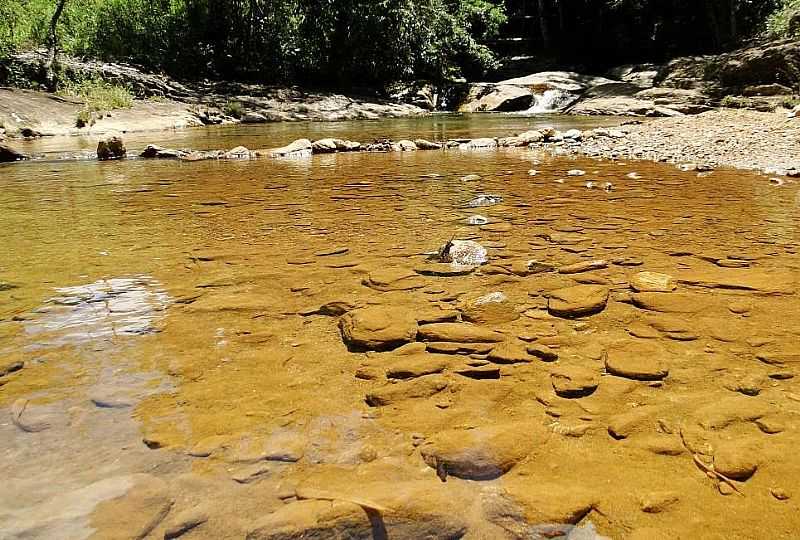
column 106, row 308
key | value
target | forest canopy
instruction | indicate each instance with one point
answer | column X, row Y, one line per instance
column 367, row 42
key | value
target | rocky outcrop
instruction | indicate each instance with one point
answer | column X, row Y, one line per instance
column 775, row 62
column 8, row 154
column 546, row 90
column 497, row 98
column 626, row 99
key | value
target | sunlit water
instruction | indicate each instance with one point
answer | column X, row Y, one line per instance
column 159, row 304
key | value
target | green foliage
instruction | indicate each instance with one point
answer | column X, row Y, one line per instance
column 735, row 102
column 790, row 102
column 324, row 42
column 85, row 118
column 369, row 42
column 234, row 109
column 740, row 102
column 98, row 95
column 785, row 21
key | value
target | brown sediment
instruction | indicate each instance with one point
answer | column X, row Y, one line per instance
column 257, row 400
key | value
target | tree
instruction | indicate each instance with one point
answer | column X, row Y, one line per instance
column 52, row 46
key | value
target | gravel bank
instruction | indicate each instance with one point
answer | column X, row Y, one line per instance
column 734, row 138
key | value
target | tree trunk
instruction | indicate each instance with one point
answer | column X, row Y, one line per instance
column 52, row 46
column 716, row 31
column 734, row 26
column 543, row 26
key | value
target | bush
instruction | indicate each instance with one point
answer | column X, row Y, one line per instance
column 234, row 109
column 740, row 102
column 785, row 21
column 98, row 95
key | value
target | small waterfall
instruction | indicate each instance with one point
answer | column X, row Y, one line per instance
column 552, row 101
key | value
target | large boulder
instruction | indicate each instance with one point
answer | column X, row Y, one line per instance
column 111, row 147
column 544, row 91
column 313, row 519
column 497, row 97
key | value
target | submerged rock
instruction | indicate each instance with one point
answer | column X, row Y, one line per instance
column 638, row 361
column 478, row 454
column 578, row 301
column 378, row 328
column 416, row 388
column 458, row 333
column 484, row 200
column 492, row 308
column 477, row 220
column 574, row 381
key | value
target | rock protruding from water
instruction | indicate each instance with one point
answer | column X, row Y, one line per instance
column 111, row 147
column 297, row 149
column 154, row 151
column 331, row 145
column 462, row 253
column 378, row 328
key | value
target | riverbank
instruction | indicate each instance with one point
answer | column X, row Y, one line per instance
column 742, row 139
column 44, row 114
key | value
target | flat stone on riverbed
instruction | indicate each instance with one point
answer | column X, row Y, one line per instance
column 444, row 270
column 478, row 454
column 422, row 387
column 458, row 333
column 394, row 279
column 585, row 266
column 641, row 361
column 669, row 302
column 578, row 301
column 574, row 381
column 378, row 328
column 652, row 282
column 417, row 365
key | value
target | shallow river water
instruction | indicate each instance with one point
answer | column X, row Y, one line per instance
column 263, row 349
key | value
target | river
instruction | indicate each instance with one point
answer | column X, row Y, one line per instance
column 263, row 348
